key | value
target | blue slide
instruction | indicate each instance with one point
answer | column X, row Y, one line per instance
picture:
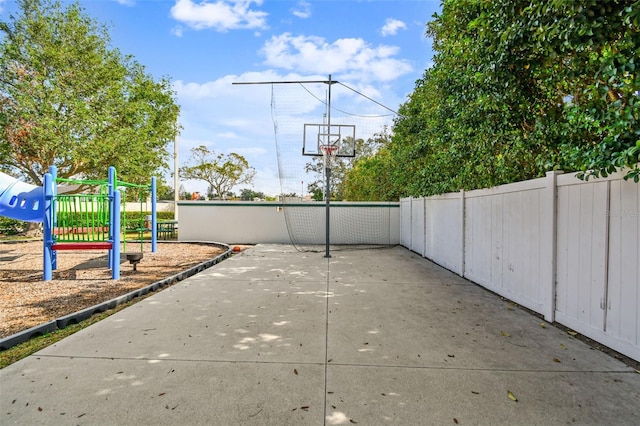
column 20, row 200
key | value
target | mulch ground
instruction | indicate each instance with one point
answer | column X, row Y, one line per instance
column 82, row 279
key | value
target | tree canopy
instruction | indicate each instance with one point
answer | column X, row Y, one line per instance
column 517, row 88
column 222, row 172
column 68, row 99
column 341, row 168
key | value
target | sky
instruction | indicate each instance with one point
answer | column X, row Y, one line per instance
column 378, row 48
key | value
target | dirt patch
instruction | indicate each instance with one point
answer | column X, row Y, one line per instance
column 81, row 280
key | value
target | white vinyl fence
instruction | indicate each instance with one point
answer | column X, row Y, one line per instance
column 562, row 247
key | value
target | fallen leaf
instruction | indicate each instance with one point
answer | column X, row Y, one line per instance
column 475, row 393
column 39, row 408
column 543, row 325
column 563, row 347
column 572, row 333
column 556, row 360
column 305, row 408
column 162, row 394
column 451, row 356
column 352, row 421
column 455, row 420
column 512, row 396
column 505, row 334
column 295, row 371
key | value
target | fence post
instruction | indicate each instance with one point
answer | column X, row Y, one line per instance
column 424, row 226
column 463, row 226
column 411, row 223
column 550, row 219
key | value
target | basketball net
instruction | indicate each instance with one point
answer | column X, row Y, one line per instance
column 329, row 153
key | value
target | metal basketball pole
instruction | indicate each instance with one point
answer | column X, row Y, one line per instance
column 327, row 171
column 327, row 164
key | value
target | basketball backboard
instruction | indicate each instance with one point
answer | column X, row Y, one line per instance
column 341, row 135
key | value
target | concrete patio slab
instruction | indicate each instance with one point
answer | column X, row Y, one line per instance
column 273, row 336
column 102, row 391
column 213, row 320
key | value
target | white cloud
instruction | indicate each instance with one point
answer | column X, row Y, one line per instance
column 352, row 57
column 126, row 2
column 302, row 9
column 251, row 151
column 227, row 135
column 1, row 5
column 391, row 27
column 177, row 31
column 220, row 15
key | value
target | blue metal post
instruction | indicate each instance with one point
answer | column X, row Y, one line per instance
column 115, row 250
column 54, row 214
column 111, row 187
column 154, row 221
column 47, row 225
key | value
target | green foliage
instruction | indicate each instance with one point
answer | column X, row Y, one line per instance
column 317, row 194
column 249, row 195
column 221, row 172
column 342, row 169
column 164, row 191
column 11, row 226
column 67, row 99
column 517, row 88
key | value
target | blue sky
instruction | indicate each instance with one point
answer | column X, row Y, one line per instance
column 377, row 47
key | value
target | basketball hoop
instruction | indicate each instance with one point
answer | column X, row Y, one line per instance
column 329, row 153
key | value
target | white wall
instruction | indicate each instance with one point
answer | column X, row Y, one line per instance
column 565, row 248
column 406, row 222
column 417, row 225
column 444, row 230
column 264, row 222
column 508, row 239
column 598, row 291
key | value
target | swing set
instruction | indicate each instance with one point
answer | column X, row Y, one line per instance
column 94, row 221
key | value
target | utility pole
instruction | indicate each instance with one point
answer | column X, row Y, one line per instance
column 176, row 181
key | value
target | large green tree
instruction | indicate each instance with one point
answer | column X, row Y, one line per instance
column 68, row 99
column 518, row 87
column 222, row 172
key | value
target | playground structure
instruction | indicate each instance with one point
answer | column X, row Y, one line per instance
column 77, row 221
